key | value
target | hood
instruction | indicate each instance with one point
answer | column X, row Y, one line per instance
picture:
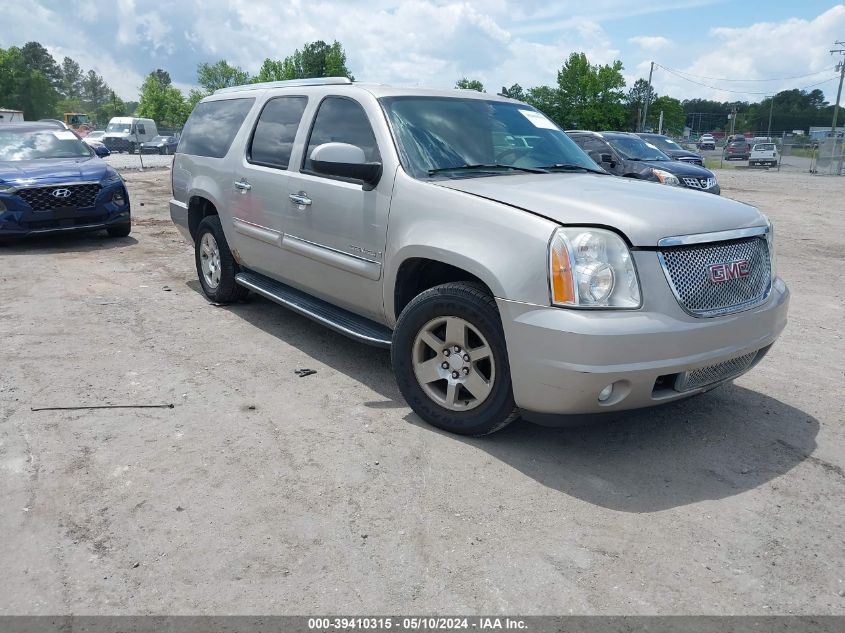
column 50, row 171
column 644, row 211
column 681, row 153
column 679, row 168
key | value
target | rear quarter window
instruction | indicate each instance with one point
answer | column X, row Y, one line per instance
column 212, row 127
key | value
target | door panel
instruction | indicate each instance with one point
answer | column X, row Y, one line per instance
column 259, row 188
column 337, row 239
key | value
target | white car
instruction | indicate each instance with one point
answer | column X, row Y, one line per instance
column 707, row 141
column 764, row 154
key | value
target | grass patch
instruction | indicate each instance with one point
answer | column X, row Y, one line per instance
column 804, row 152
column 715, row 163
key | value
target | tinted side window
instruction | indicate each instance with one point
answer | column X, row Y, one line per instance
column 342, row 120
column 212, row 127
column 141, row 129
column 272, row 141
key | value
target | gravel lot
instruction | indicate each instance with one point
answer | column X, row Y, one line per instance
column 126, row 162
column 263, row 492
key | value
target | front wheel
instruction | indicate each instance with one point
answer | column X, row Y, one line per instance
column 216, row 268
column 451, row 361
column 119, row 230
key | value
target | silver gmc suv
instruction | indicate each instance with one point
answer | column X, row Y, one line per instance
column 508, row 273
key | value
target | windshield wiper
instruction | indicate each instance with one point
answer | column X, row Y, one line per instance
column 571, row 167
column 483, row 167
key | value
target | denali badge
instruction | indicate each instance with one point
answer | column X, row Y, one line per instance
column 730, row 270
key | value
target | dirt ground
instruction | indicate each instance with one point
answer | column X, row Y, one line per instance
column 262, row 492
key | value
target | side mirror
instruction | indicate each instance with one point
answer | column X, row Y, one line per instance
column 102, row 151
column 345, row 161
column 607, row 159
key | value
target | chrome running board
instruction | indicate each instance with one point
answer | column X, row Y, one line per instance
column 340, row 320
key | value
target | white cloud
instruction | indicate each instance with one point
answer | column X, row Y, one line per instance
column 651, row 43
column 790, row 50
column 426, row 42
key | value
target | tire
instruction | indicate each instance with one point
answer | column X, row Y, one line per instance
column 119, row 230
column 216, row 268
column 433, row 319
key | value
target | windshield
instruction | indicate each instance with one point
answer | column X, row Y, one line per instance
column 439, row 133
column 118, row 127
column 635, row 148
column 37, row 144
column 664, row 143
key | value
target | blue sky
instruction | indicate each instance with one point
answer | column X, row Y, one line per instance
column 435, row 42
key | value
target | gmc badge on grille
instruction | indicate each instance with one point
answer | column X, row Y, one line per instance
column 729, row 270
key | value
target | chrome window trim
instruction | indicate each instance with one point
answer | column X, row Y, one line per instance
column 719, row 236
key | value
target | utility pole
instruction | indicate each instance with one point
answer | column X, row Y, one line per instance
column 841, row 69
column 647, row 99
column 771, row 108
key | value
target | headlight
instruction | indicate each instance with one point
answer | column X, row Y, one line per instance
column 111, row 179
column 666, row 178
column 770, row 238
column 592, row 268
column 2, row 207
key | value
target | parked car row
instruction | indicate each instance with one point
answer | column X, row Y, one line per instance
column 516, row 276
column 636, row 156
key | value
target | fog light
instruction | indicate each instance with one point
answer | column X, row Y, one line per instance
column 605, row 393
column 117, row 197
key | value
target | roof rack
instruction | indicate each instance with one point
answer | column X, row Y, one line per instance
column 314, row 81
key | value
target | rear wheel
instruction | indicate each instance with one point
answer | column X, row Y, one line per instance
column 216, row 268
column 451, row 362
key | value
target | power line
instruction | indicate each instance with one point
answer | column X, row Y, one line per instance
column 682, row 72
column 742, row 92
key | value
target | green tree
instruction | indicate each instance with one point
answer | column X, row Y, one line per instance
column 95, row 91
column 591, row 96
column 635, row 102
column 516, row 92
column 161, row 101
column 194, row 97
column 469, row 84
column 37, row 58
column 220, row 74
column 71, row 82
column 315, row 59
column 23, row 84
column 673, row 115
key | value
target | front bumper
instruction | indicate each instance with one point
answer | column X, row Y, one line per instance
column 19, row 220
column 560, row 360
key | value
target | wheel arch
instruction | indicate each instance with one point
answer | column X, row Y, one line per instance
column 419, row 271
column 199, row 207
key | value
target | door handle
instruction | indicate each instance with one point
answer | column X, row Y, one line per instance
column 300, row 198
column 242, row 185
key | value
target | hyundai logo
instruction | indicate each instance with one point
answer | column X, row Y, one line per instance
column 720, row 273
column 61, row 193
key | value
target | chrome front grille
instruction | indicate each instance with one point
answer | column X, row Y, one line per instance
column 692, row 160
column 719, row 277
column 699, row 183
column 60, row 196
column 703, row 376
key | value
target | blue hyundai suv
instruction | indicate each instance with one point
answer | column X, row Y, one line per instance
column 52, row 182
